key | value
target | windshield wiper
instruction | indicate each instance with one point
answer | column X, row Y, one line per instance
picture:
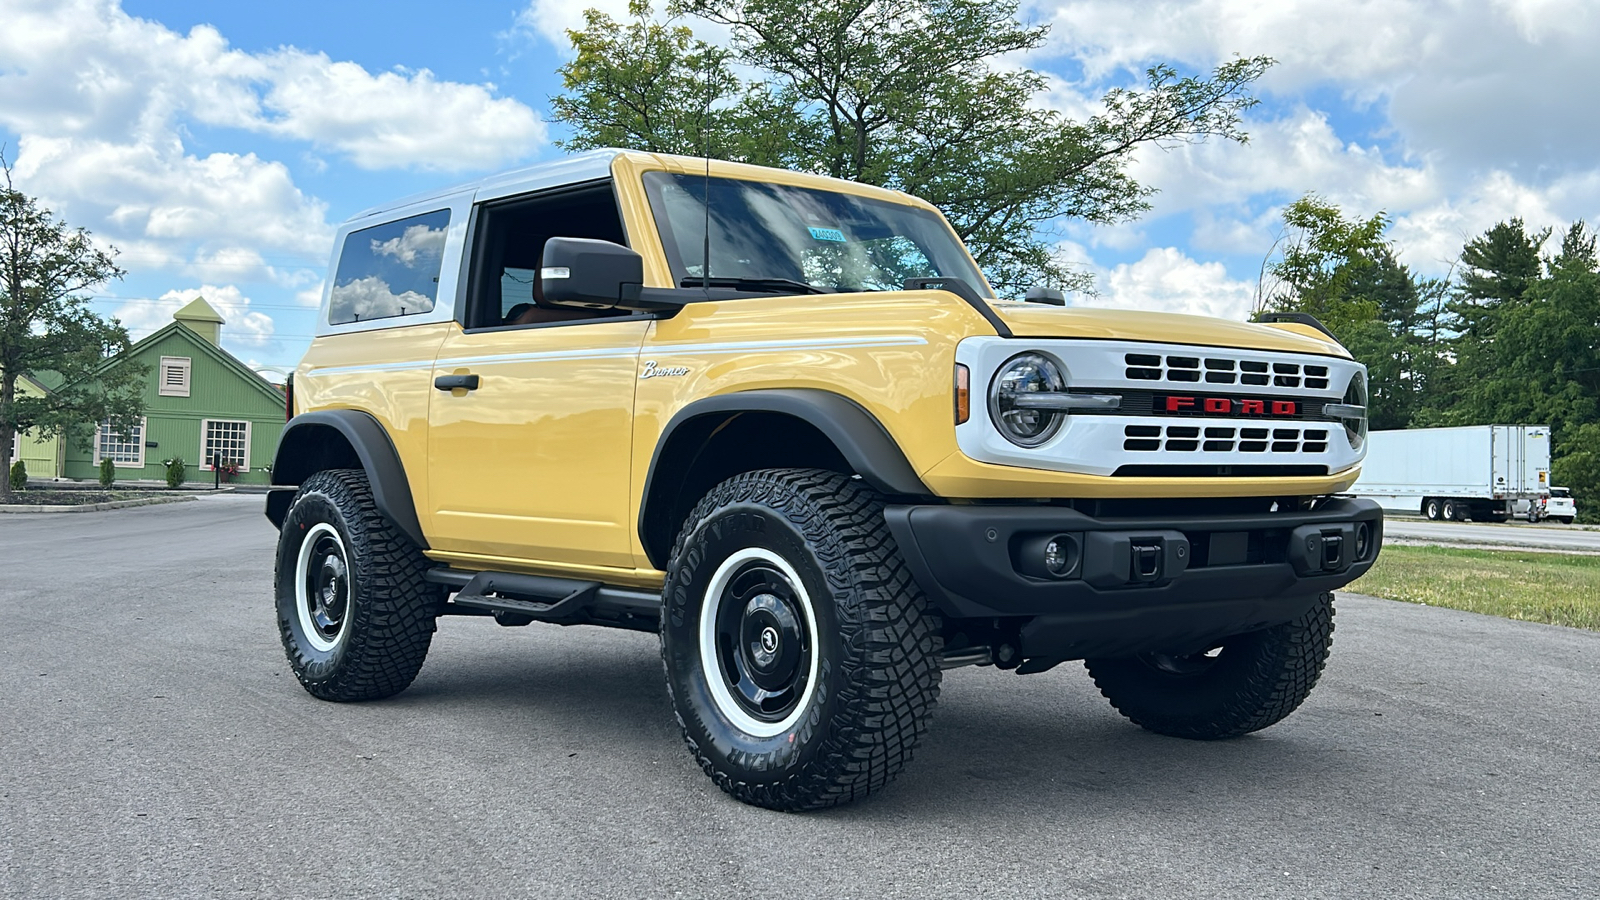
column 771, row 285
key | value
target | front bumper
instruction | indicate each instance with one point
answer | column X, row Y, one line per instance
column 1134, row 584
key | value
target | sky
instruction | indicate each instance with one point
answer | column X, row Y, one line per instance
column 218, row 145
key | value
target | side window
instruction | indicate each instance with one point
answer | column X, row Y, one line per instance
column 510, row 242
column 389, row 270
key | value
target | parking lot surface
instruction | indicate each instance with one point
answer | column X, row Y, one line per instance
column 154, row 744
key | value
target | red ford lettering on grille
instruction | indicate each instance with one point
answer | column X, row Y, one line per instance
column 1226, row 406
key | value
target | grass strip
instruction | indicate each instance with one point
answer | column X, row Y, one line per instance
column 1554, row 588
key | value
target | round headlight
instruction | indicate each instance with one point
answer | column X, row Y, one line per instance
column 1028, row 373
column 1356, row 395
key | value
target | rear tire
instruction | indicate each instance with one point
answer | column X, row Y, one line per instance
column 1453, row 512
column 1253, row 681
column 1430, row 509
column 801, row 657
column 1565, row 520
column 354, row 613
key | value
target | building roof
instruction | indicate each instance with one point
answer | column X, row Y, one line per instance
column 228, row 360
column 199, row 310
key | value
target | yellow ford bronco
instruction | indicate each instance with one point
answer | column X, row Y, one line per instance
column 783, row 421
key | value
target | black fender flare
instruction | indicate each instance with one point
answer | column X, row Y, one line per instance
column 858, row 436
column 303, row 450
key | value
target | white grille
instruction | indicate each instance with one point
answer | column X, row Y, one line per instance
column 1136, row 436
column 1225, row 370
column 1224, row 439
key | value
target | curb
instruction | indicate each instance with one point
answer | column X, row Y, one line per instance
column 24, row 508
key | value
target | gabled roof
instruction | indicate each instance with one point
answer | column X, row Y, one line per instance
column 228, row 360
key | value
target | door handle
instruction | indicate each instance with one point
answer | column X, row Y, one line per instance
column 451, row 382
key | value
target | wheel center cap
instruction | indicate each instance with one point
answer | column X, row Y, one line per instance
column 769, row 639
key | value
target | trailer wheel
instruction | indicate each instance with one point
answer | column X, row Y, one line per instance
column 1430, row 509
column 1453, row 512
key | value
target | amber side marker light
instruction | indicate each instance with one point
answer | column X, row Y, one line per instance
column 963, row 394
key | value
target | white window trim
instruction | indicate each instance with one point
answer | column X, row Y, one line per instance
column 205, row 425
column 143, row 434
column 178, row 362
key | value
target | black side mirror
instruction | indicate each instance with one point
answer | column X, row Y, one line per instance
column 1046, row 295
column 590, row 274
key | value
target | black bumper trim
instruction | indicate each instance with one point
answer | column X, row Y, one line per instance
column 1251, row 568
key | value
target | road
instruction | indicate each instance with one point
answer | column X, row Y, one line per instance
column 154, row 744
column 1543, row 536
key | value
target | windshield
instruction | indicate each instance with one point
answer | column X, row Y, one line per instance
column 827, row 240
column 1559, row 492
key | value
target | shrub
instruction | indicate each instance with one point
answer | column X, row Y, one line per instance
column 175, row 472
column 108, row 473
column 19, row 475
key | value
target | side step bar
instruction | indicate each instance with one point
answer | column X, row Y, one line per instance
column 515, row 599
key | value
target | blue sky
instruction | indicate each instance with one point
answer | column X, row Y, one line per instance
column 217, row 145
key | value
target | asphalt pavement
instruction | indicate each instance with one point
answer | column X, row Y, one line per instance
column 1543, row 536
column 153, row 743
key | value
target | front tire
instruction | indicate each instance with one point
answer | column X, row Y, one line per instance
column 1254, row 680
column 801, row 657
column 354, row 613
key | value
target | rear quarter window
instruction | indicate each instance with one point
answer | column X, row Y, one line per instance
column 389, row 270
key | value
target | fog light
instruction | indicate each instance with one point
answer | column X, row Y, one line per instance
column 1363, row 539
column 1048, row 555
column 1058, row 555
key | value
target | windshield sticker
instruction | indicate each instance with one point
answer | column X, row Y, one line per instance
column 827, row 234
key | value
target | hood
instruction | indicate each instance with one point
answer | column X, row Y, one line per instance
column 1040, row 320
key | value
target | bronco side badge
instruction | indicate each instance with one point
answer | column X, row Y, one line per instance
column 651, row 370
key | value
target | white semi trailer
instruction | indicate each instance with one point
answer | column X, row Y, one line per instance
column 1484, row 472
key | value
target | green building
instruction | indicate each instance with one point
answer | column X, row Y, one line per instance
column 42, row 458
column 200, row 404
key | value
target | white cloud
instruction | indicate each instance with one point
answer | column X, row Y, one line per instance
column 399, row 119
column 372, row 298
column 243, row 326
column 552, row 19
column 1167, row 280
column 85, row 68
column 416, row 243
column 153, row 193
column 1473, row 82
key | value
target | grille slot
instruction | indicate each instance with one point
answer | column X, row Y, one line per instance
column 1219, row 370
column 1216, row 439
column 1188, row 439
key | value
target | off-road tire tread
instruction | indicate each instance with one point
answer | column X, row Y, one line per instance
column 1288, row 660
column 890, row 685
column 389, row 642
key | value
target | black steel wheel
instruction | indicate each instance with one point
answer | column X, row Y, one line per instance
column 354, row 613
column 801, row 658
column 1242, row 684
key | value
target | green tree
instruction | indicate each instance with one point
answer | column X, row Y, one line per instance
column 1313, row 265
column 1344, row 271
column 46, row 326
column 905, row 94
